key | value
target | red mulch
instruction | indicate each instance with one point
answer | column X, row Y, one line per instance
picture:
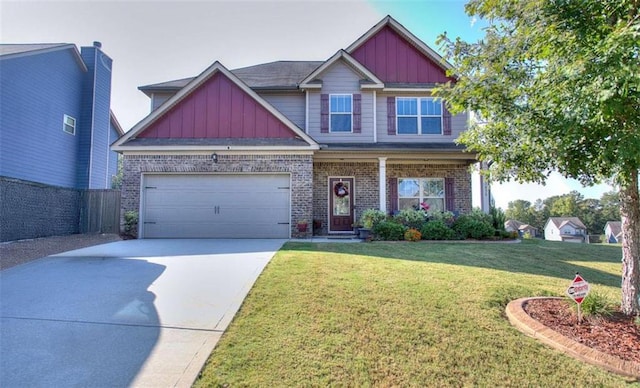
column 617, row 335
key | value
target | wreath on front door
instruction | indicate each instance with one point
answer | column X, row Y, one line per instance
column 340, row 190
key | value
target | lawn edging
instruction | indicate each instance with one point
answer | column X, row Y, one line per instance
column 533, row 328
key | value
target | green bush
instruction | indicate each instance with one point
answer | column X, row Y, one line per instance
column 597, row 305
column 388, row 231
column 131, row 223
column 498, row 218
column 411, row 218
column 469, row 226
column 437, row 230
column 371, row 217
column 447, row 217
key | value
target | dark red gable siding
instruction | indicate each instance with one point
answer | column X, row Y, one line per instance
column 218, row 109
column 392, row 59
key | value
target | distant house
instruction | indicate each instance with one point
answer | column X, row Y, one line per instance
column 568, row 229
column 56, row 127
column 613, row 231
column 521, row 228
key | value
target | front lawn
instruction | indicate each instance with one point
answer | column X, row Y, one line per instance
column 406, row 314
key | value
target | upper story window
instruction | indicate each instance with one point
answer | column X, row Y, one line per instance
column 414, row 191
column 341, row 110
column 417, row 116
column 69, row 124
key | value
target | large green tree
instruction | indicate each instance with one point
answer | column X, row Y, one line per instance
column 557, row 85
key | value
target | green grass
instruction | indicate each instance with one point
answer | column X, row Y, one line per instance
column 406, row 314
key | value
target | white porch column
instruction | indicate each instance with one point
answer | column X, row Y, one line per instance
column 382, row 169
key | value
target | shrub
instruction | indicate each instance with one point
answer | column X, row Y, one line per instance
column 411, row 218
column 388, row 230
column 371, row 217
column 131, row 223
column 468, row 226
column 498, row 218
column 412, row 235
column 437, row 230
column 597, row 305
column 447, row 217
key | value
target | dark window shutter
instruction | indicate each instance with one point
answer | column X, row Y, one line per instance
column 393, row 195
column 324, row 113
column 446, row 120
column 391, row 115
column 450, row 194
column 357, row 122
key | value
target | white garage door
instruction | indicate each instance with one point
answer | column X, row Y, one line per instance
column 215, row 206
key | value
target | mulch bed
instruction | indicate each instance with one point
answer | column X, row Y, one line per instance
column 617, row 335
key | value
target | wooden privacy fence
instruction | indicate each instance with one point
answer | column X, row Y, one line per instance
column 100, row 211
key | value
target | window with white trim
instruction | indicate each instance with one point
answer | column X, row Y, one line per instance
column 418, row 116
column 412, row 192
column 341, row 112
column 69, row 125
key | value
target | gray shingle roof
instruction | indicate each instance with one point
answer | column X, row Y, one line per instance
column 616, row 227
column 277, row 75
column 562, row 221
column 18, row 48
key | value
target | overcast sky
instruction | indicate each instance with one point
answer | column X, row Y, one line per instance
column 156, row 41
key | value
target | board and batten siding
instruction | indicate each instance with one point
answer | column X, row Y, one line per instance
column 341, row 79
column 289, row 104
column 458, row 124
column 37, row 91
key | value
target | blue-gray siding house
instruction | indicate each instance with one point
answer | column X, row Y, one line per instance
column 56, row 127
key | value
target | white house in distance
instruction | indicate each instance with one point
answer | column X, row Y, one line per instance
column 568, row 229
column 613, row 231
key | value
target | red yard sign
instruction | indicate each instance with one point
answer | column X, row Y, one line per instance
column 579, row 289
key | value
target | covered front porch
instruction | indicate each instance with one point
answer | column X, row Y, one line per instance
column 372, row 181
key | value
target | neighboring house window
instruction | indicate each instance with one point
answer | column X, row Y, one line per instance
column 414, row 191
column 341, row 109
column 69, row 125
column 418, row 116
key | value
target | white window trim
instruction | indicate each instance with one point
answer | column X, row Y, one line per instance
column 340, row 113
column 420, row 197
column 419, row 116
column 64, row 125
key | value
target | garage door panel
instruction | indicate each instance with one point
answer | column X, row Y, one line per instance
column 216, row 206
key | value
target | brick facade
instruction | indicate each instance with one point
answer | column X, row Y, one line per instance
column 300, row 167
column 459, row 172
column 366, row 184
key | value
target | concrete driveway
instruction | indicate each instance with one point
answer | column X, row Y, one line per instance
column 128, row 313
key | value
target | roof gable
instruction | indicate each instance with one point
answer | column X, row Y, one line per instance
column 615, row 227
column 559, row 222
column 214, row 105
column 395, row 55
column 217, row 109
column 369, row 81
column 10, row 51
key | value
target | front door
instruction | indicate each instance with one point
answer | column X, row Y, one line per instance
column 341, row 204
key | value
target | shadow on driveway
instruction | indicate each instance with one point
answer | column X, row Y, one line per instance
column 73, row 322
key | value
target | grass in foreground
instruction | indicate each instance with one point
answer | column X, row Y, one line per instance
column 406, row 314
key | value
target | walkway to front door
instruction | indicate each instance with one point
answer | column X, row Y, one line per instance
column 341, row 196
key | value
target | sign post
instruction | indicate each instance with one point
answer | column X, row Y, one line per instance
column 578, row 290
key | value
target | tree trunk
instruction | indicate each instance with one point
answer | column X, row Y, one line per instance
column 630, row 213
